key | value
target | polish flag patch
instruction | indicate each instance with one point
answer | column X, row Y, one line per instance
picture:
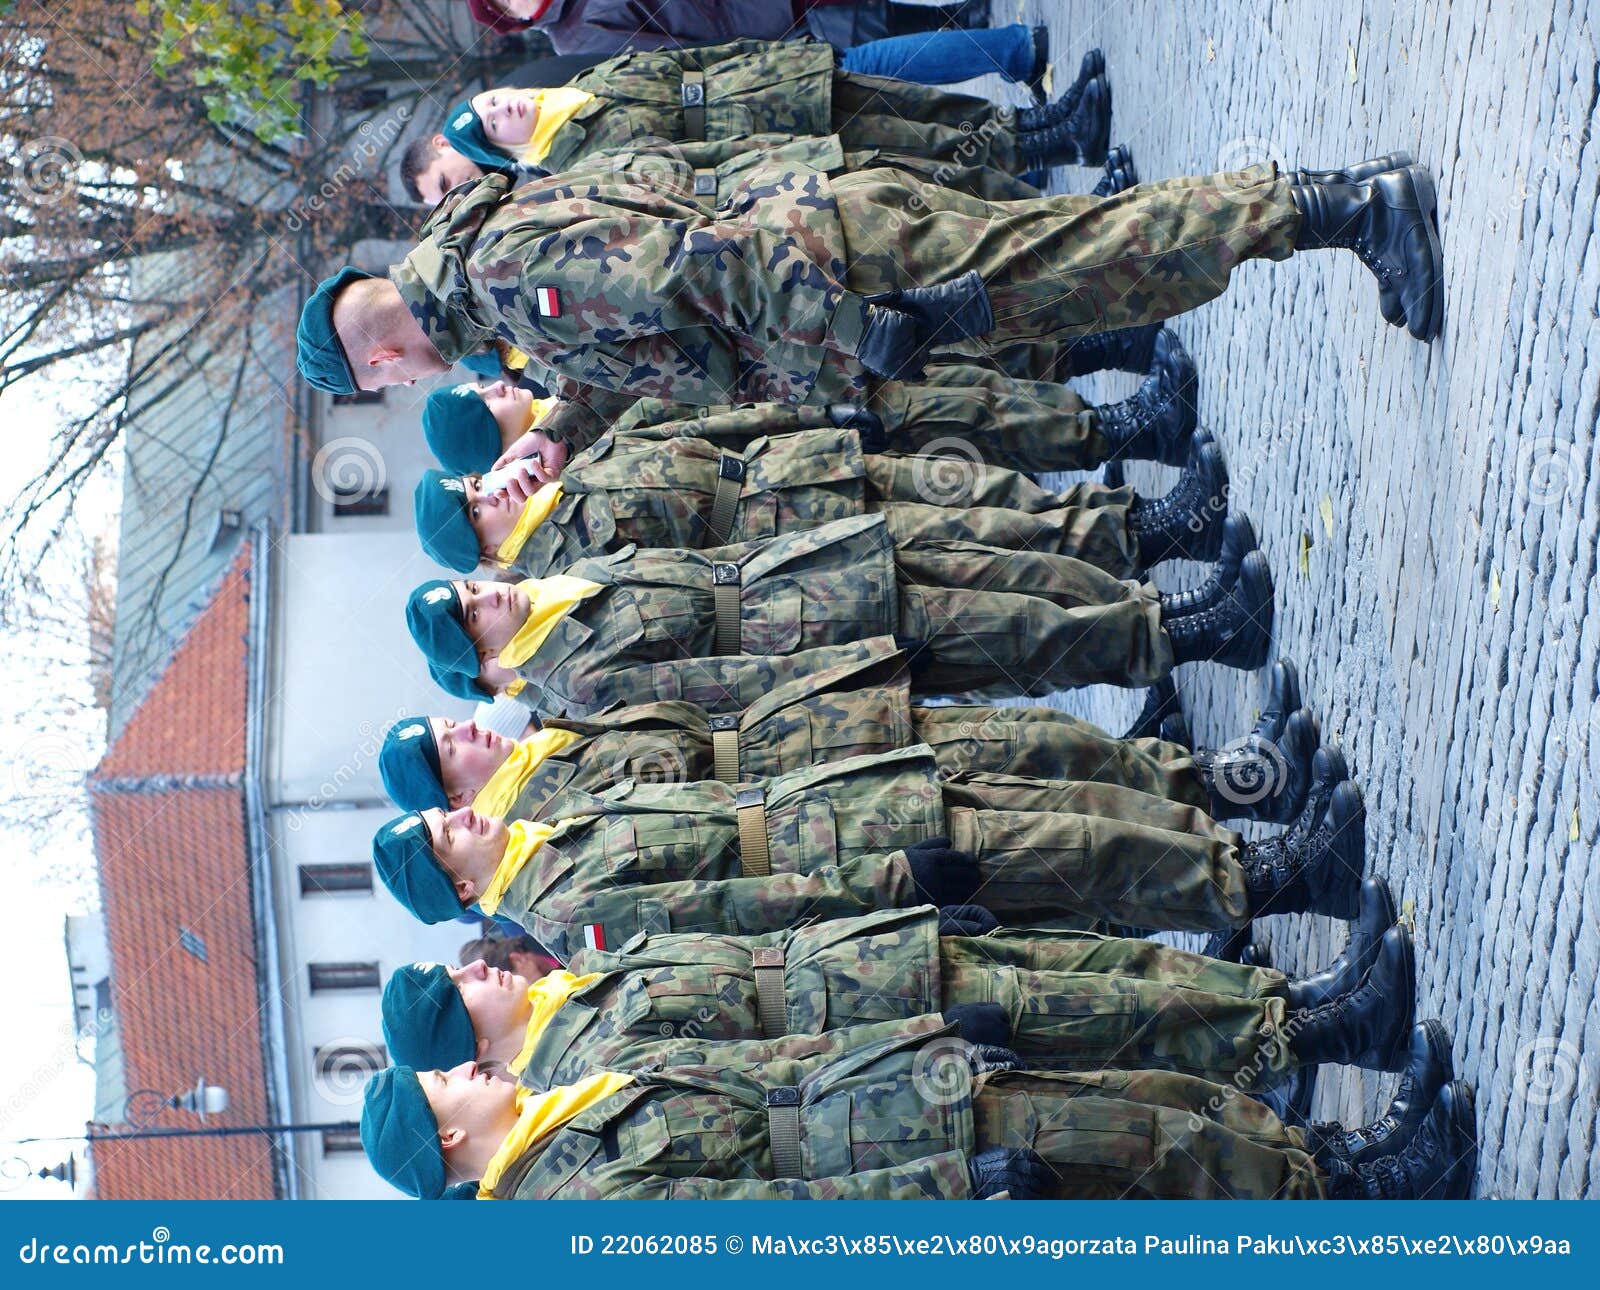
column 548, row 301
column 594, row 936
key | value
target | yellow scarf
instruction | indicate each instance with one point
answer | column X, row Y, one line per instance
column 556, row 107
column 549, row 601
column 527, row 836
column 535, row 513
column 527, row 755
column 547, row 995
column 542, row 1113
column 538, row 410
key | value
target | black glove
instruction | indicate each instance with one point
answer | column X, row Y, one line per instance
column 966, row 920
column 991, row 1059
column 983, row 1024
column 891, row 346
column 865, row 422
column 1021, row 1173
column 944, row 876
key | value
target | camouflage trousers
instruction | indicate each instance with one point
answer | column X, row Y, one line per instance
column 1095, row 852
column 892, row 115
column 1158, row 1135
column 1066, row 1019
column 963, row 409
column 1043, row 743
column 1059, row 267
column 956, row 499
column 986, row 622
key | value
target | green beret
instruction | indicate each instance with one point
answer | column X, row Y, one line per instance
column 462, row 433
column 443, row 524
column 434, row 616
column 425, row 1023
column 484, row 363
column 322, row 359
column 459, row 684
column 402, row 853
column 401, row 1133
column 466, row 135
column 409, row 765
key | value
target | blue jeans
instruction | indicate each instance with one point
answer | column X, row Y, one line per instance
column 944, row 57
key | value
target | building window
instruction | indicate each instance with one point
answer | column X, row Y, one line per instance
column 321, row 879
column 357, row 397
column 357, row 501
column 340, row 1141
column 343, row 976
column 193, row 942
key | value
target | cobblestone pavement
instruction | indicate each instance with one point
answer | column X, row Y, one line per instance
column 1430, row 512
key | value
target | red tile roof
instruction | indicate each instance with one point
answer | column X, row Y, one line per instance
column 173, row 856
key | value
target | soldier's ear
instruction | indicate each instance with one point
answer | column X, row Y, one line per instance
column 451, row 1138
column 466, row 890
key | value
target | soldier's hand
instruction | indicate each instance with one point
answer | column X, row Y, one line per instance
column 525, row 483
column 1021, row 1173
column 966, row 920
column 551, row 460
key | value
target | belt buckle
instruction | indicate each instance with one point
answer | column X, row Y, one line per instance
column 783, row 1097
column 693, row 93
column 731, row 468
column 725, row 575
column 705, row 184
column 750, row 797
column 724, row 721
column 770, row 956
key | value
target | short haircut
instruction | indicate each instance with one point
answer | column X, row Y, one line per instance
column 496, row 951
column 418, row 156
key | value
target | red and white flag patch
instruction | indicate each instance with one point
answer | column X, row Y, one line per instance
column 548, row 301
column 594, row 936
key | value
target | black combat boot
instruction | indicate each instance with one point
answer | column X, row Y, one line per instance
column 1261, row 779
column 1041, row 66
column 1437, row 1161
column 1369, row 1026
column 1345, row 973
column 1230, row 945
column 902, row 325
column 1126, row 349
column 1079, row 140
column 1427, row 1070
column 1160, row 702
column 1314, row 871
column 1283, row 689
column 1120, row 173
column 1175, row 730
column 1042, row 117
column 1389, row 222
column 1238, row 540
column 1236, row 630
column 1352, row 174
column 1185, row 523
column 1158, row 422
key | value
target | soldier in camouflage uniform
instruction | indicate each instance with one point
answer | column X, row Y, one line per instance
column 804, row 286
column 855, row 701
column 892, row 1112
column 663, row 488
column 659, row 995
column 981, row 622
column 864, row 834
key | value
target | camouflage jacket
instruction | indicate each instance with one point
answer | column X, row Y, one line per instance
column 618, row 286
column 658, row 488
column 702, row 1129
column 651, row 98
column 705, row 987
column 827, row 586
column 857, row 700
column 672, row 857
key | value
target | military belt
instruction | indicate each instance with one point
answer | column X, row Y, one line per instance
column 772, row 1000
column 783, row 1132
column 725, row 501
column 693, row 94
column 725, row 591
column 725, row 748
column 705, row 183
column 755, row 858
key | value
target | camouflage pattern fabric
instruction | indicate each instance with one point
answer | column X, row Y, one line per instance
column 896, row 1117
column 666, row 857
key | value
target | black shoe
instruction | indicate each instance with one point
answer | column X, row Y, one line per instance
column 1352, row 174
column 1236, row 631
column 1175, row 730
column 1427, row 1070
column 1314, row 871
column 1230, row 945
column 1126, row 349
column 1160, row 702
column 1369, row 1026
column 1041, row 65
column 903, row 325
column 1283, row 694
column 1436, row 1162
column 1079, row 140
column 1120, row 173
column 1158, row 422
column 1259, row 779
column 1389, row 221
column 1185, row 523
column 1346, row 972
column 1238, row 540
